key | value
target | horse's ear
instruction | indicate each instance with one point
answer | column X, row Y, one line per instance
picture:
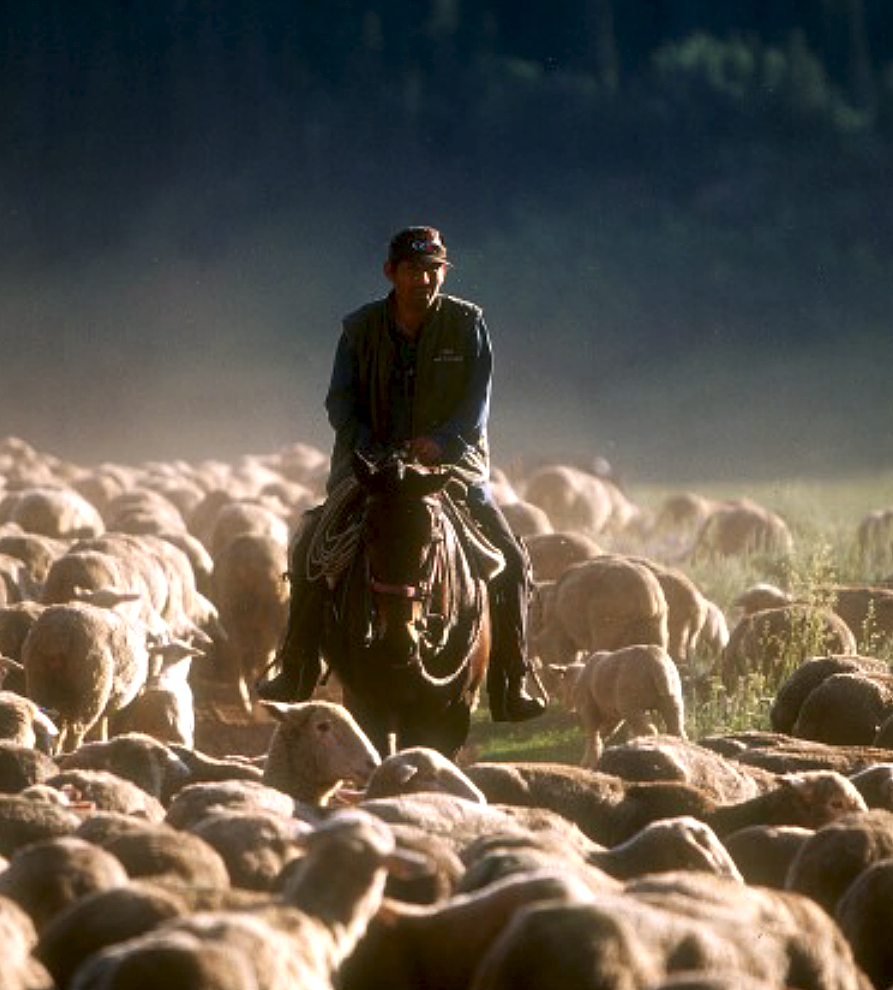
column 363, row 469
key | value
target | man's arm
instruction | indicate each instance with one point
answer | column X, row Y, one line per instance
column 344, row 410
column 469, row 420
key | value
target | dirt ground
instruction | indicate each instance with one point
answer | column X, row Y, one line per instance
column 223, row 728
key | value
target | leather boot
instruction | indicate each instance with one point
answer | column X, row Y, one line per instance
column 509, row 701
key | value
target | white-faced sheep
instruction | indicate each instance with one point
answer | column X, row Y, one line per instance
column 417, row 769
column 552, row 553
column 22, row 722
column 741, row 527
column 57, row 512
column 572, row 498
column 317, row 747
column 625, row 686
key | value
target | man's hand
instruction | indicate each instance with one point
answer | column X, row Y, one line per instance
column 425, row 450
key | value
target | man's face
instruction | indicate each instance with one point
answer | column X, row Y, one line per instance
column 416, row 284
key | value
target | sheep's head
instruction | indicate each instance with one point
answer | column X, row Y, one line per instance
column 317, row 747
column 822, row 796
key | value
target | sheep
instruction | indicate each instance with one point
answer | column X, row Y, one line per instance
column 23, row 820
column 101, row 919
column 572, row 498
column 14, row 580
column 846, row 709
column 109, row 792
column 875, row 784
column 741, row 527
column 769, row 640
column 164, row 708
column 57, row 512
column 255, row 846
column 203, row 767
column 245, row 516
column 22, row 766
column 441, row 945
column 252, row 600
column 84, row 663
column 714, row 633
column 21, row 971
column 625, row 686
column 136, row 757
column 764, row 853
column 163, row 851
column 670, row 758
column 46, row 876
column 666, row 923
column 22, row 722
column 420, row 768
column 676, row 521
column 601, row 604
column 192, row 803
column 808, row 675
column 874, row 536
column 828, row 861
column 863, row 914
column 302, row 940
column 316, row 747
column 15, row 623
column 36, row 552
column 526, row 519
column 141, row 510
column 608, row 810
column 552, row 553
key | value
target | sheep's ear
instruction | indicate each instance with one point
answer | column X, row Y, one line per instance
column 278, row 709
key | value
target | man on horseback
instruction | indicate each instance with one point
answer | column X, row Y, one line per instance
column 413, row 371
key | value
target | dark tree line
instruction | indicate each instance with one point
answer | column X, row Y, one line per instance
column 101, row 103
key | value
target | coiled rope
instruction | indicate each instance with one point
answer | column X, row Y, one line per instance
column 337, row 534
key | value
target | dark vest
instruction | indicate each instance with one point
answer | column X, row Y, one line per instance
column 444, row 364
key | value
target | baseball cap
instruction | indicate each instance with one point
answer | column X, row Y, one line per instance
column 417, row 244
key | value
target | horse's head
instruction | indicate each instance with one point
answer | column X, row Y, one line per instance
column 402, row 528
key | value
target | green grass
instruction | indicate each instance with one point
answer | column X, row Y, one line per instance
column 554, row 736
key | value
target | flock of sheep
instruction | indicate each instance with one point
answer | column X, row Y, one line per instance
column 132, row 857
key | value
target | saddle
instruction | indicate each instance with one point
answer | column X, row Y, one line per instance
column 336, row 538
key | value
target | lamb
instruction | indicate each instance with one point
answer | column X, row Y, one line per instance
column 316, row 747
column 624, row 686
column 769, row 640
column 301, row 941
column 252, row 599
column 601, row 604
column 84, row 663
column 45, row 877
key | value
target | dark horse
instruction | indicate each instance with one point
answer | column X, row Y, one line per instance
column 408, row 629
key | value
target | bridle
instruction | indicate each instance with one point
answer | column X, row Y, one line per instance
column 422, row 589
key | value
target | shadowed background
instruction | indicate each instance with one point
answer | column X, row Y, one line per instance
column 677, row 219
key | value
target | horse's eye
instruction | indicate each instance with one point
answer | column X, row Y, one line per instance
column 323, row 726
